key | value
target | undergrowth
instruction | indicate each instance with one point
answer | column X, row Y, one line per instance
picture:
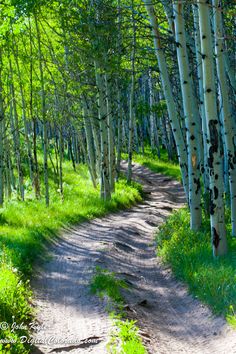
column 213, row 281
column 27, row 227
column 125, row 338
column 189, row 253
column 159, row 165
column 105, row 283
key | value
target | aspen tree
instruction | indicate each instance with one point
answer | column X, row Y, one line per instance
column 102, row 109
column 16, row 134
column 166, row 85
column 89, row 140
column 191, row 118
column 43, row 111
column 23, row 103
column 201, row 102
column 119, row 103
column 119, row 131
column 228, row 127
column 218, row 231
column 131, row 99
column 36, row 181
column 110, row 132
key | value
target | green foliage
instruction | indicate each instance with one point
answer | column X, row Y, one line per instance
column 160, row 108
column 126, row 340
column 189, row 253
column 231, row 317
column 26, row 226
column 105, row 283
column 162, row 165
column 15, row 295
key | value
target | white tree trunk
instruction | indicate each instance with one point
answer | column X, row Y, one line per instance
column 111, row 137
column 166, row 85
column 202, row 109
column 218, row 231
column 104, row 181
column 191, row 118
column 90, row 147
column 228, row 128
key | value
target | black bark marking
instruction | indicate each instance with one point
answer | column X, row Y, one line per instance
column 211, row 158
column 198, row 184
column 230, row 163
column 212, row 205
column 216, row 193
column 214, row 139
column 215, row 238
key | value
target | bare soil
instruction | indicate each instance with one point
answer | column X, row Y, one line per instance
column 170, row 320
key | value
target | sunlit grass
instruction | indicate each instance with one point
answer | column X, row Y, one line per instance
column 125, row 338
column 105, row 283
column 159, row 165
column 213, row 281
column 26, row 227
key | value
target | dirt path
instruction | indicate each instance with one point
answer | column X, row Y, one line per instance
column 171, row 321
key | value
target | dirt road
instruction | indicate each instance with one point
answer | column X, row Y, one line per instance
column 171, row 321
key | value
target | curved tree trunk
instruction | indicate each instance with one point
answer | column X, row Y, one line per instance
column 166, row 85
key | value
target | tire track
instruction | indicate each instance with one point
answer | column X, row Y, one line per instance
column 171, row 321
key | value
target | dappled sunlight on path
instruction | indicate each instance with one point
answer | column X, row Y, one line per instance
column 171, row 321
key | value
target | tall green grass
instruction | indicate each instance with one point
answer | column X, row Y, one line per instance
column 189, row 253
column 213, row 281
column 25, row 229
column 125, row 338
column 158, row 165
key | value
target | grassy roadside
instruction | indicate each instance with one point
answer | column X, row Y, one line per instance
column 213, row 281
column 162, row 165
column 189, row 253
column 25, row 227
column 125, row 338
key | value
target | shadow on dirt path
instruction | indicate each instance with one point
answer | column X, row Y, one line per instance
column 171, row 321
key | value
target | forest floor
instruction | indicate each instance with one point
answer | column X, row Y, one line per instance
column 170, row 320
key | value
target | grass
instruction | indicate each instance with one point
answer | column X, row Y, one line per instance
column 125, row 339
column 213, row 281
column 27, row 227
column 105, row 283
column 162, row 165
